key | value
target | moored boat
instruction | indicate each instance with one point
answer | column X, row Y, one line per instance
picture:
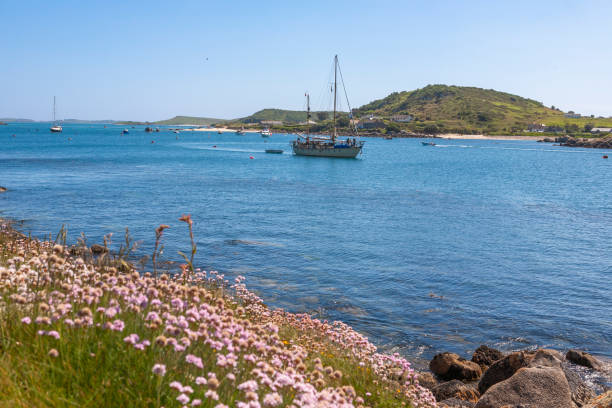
column 55, row 128
column 318, row 146
column 274, row 151
column 428, row 143
column 125, row 131
column 266, row 133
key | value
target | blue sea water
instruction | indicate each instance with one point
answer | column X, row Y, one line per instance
column 423, row 249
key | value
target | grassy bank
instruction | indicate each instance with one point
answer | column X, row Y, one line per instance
column 89, row 331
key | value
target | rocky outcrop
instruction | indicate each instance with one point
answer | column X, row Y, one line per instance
column 427, row 380
column 602, row 401
column 584, row 359
column 455, row 403
column 455, row 389
column 484, row 356
column 597, row 143
column 581, row 393
column 450, row 366
column 530, row 387
column 503, row 369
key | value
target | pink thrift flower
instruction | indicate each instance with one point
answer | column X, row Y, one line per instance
column 200, row 381
column 272, row 400
column 183, row 399
column 212, row 395
column 196, row 402
column 159, row 369
column 247, row 386
column 26, row 320
column 176, row 385
column 187, row 389
column 53, row 353
column 196, row 361
column 118, row 325
column 54, row 334
column 131, row 339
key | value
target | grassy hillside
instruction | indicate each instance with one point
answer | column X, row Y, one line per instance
column 471, row 110
column 189, row 120
column 286, row 116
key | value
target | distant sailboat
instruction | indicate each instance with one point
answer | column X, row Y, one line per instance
column 327, row 146
column 266, row 133
column 55, row 128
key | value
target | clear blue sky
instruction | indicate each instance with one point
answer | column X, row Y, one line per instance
column 147, row 60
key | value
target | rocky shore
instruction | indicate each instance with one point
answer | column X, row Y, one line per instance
column 593, row 143
column 523, row 379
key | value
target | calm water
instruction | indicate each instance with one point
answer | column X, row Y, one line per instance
column 515, row 236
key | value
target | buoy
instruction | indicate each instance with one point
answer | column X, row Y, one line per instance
column 152, row 141
column 251, row 157
column 606, row 156
column 214, row 146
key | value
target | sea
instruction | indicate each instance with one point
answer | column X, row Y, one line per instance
column 423, row 249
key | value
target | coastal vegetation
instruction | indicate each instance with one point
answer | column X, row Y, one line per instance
column 82, row 327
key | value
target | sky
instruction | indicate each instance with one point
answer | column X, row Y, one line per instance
column 152, row 60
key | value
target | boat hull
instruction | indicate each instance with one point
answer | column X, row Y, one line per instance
column 346, row 152
column 56, row 129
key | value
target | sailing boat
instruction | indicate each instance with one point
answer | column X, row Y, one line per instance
column 55, row 128
column 320, row 146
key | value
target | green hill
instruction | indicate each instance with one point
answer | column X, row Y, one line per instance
column 283, row 115
column 470, row 110
column 189, row 120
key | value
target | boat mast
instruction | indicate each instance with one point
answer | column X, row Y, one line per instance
column 335, row 93
column 307, row 114
column 54, row 109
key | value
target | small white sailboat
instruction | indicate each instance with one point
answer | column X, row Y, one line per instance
column 55, row 128
column 266, row 132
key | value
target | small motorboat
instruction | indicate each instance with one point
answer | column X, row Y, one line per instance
column 274, row 151
column 428, row 143
column 125, row 131
column 240, row 132
column 266, row 133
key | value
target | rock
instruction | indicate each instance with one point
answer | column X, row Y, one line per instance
column 503, row 369
column 455, row 389
column 581, row 393
column 602, row 401
column 455, row 403
column 546, row 358
column 427, row 380
column 484, row 356
column 584, row 359
column 450, row 366
column 530, row 387
column 98, row 249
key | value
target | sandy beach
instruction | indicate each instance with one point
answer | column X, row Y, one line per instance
column 222, row 130
column 485, row 137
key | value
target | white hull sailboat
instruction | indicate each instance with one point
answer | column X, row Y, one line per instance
column 332, row 146
column 266, row 133
column 55, row 128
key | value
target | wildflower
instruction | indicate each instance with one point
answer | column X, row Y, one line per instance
column 272, row 400
column 221, row 406
column 26, row 320
column 159, row 231
column 183, row 399
column 196, row 402
column 200, row 381
column 247, row 386
column 176, row 385
column 54, row 334
column 53, row 353
column 212, row 395
column 159, row 369
column 118, row 325
column 231, row 377
column 213, row 383
column 187, row 389
column 131, row 339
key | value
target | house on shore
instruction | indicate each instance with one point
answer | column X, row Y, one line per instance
column 572, row 115
column 401, row 118
column 536, row 127
column 371, row 122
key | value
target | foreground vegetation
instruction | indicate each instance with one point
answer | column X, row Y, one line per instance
column 89, row 331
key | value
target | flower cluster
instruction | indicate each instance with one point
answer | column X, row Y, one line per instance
column 223, row 345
